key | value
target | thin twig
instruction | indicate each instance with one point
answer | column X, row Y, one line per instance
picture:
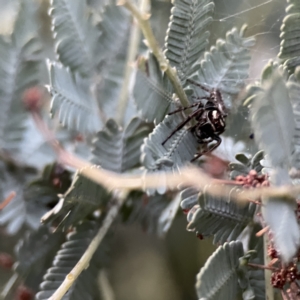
column 257, row 266
column 143, row 20
column 189, row 176
column 7, row 200
column 131, row 54
column 268, row 287
column 88, row 254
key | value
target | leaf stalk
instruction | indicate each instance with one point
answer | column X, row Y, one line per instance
column 83, row 263
column 143, row 21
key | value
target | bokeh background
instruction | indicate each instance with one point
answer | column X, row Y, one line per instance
column 142, row 266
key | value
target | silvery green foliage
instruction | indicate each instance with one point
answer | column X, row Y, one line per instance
column 33, row 195
column 119, row 150
column 152, row 90
column 20, row 65
column 151, row 212
column 273, row 121
column 16, row 214
column 82, row 198
column 285, row 229
column 189, row 198
column 187, row 37
column 256, row 276
column 293, row 86
column 221, row 217
column 218, row 279
column 290, row 36
column 115, row 27
column 75, row 35
column 167, row 216
column 28, row 257
column 226, row 65
column 86, row 285
column 72, row 100
column 246, row 164
column 177, row 151
column 32, row 264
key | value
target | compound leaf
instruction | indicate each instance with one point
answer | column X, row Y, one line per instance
column 72, row 100
column 33, row 198
column 218, row 279
column 220, row 217
column 119, row 150
column 177, row 151
column 226, row 66
column 187, row 37
column 273, row 121
column 148, row 211
column 32, row 264
column 294, row 92
column 152, row 90
column 66, row 258
column 19, row 69
column 76, row 38
column 279, row 214
column 114, row 27
column 167, row 216
column 81, row 199
column 290, row 36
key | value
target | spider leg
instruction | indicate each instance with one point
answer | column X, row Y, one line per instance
column 199, row 98
column 182, row 124
column 199, row 85
column 216, row 145
column 182, row 109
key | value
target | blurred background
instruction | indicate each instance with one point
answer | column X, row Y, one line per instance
column 142, row 266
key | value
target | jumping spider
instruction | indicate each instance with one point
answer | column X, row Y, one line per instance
column 210, row 119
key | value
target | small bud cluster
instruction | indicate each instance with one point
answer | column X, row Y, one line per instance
column 6, row 261
column 272, row 252
column 32, row 98
column 253, row 180
column 24, row 293
column 285, row 275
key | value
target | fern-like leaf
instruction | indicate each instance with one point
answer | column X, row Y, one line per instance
column 152, row 91
column 290, row 36
column 33, row 196
column 19, row 69
column 119, row 150
column 31, row 264
column 76, row 38
column 246, row 164
column 293, row 86
column 285, row 229
column 177, row 151
column 218, row 279
column 187, row 37
column 81, row 199
column 71, row 251
column 114, row 28
column 167, row 216
column 273, row 121
column 72, row 100
column 148, row 211
column 226, row 66
column 220, row 217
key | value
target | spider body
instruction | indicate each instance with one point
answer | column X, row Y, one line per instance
column 210, row 120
